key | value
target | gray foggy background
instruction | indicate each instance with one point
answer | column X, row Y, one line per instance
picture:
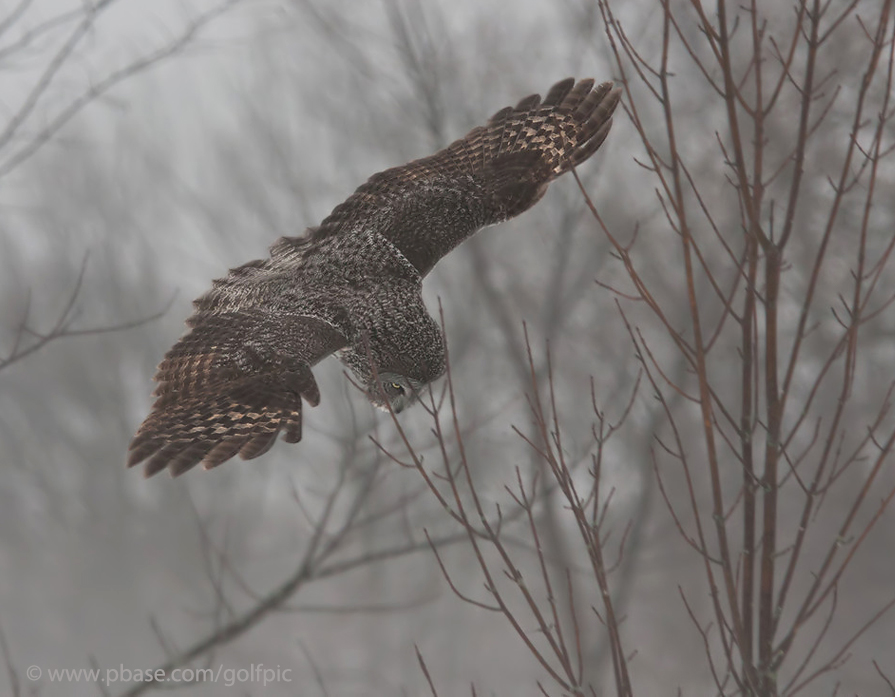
column 268, row 118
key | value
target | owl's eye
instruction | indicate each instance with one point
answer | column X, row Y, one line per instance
column 398, row 388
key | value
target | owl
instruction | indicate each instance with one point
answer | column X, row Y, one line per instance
column 353, row 287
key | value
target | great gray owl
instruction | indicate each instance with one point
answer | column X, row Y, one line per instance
column 353, row 286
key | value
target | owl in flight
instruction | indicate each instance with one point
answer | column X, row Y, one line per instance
column 353, row 287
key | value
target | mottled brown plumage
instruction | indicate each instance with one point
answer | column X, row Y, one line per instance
column 352, row 286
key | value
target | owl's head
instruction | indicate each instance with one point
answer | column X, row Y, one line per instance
column 399, row 391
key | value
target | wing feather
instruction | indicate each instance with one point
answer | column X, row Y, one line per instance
column 230, row 386
column 428, row 206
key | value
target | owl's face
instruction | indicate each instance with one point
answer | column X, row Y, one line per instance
column 398, row 391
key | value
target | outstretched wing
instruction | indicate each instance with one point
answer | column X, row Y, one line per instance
column 428, row 206
column 231, row 385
